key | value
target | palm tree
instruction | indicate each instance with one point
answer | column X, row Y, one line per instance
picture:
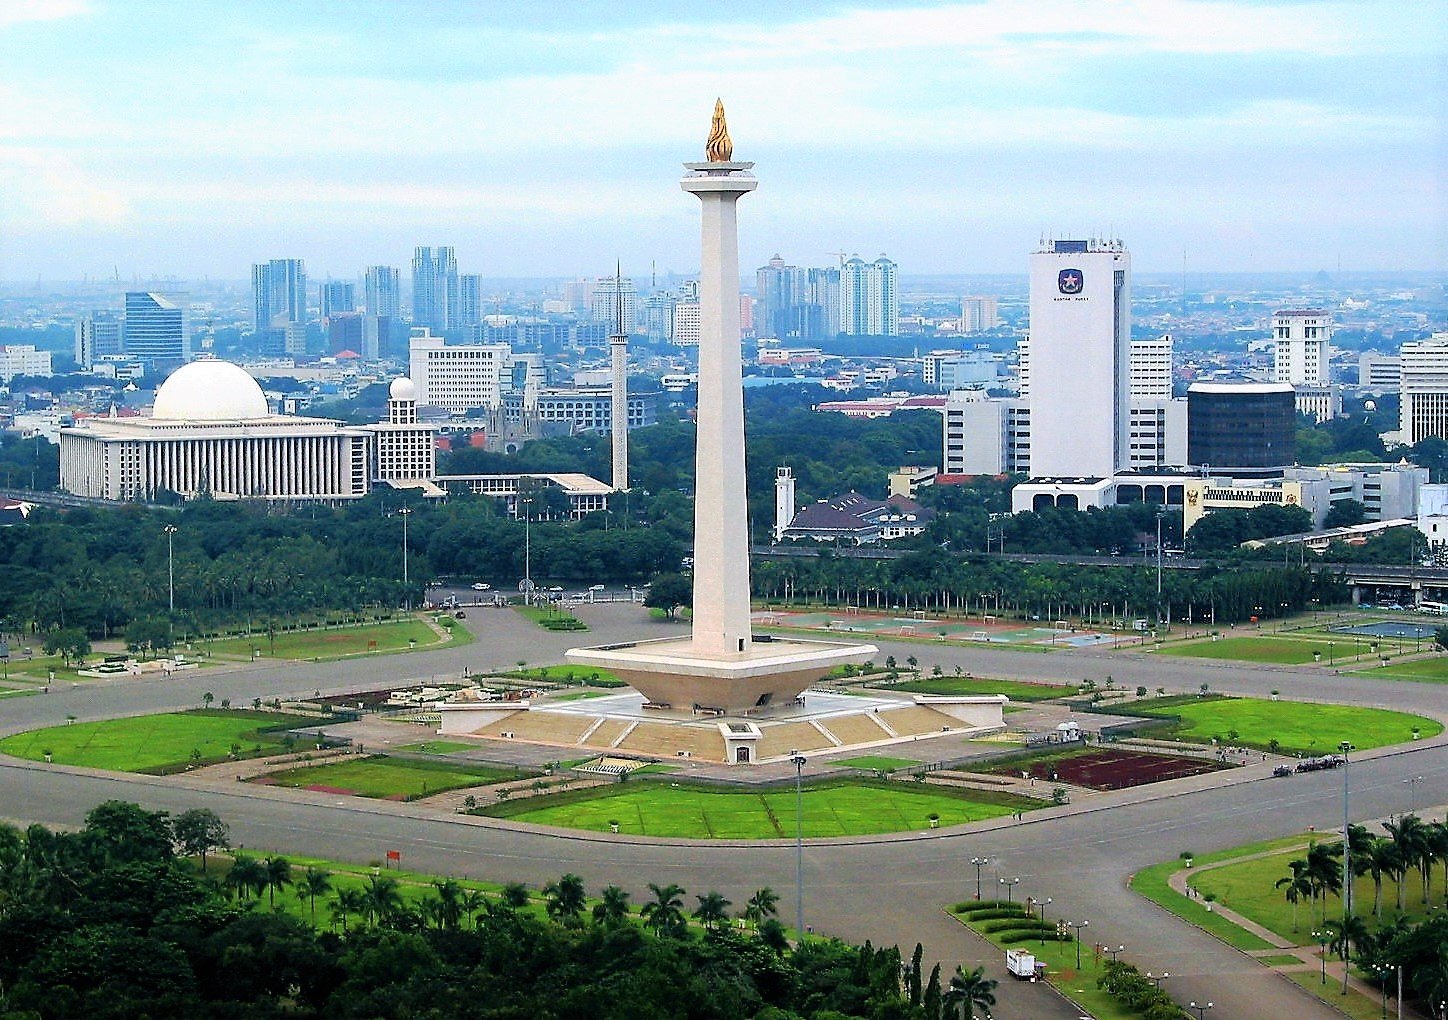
column 1410, row 836
column 515, row 895
column 1324, row 871
column 764, row 903
column 612, row 906
column 472, row 903
column 1380, row 858
column 383, row 899
column 246, row 877
column 349, row 901
column 664, row 914
column 315, row 882
column 449, row 903
column 967, row 991
column 1436, row 836
column 565, row 899
column 713, row 910
column 773, row 936
column 1349, row 933
column 1296, row 886
column 278, row 876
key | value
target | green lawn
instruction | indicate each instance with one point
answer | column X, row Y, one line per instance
column 1247, row 887
column 572, row 675
column 844, row 809
column 438, row 747
column 338, row 642
column 1313, row 729
column 1285, row 651
column 577, row 696
column 1152, row 883
column 153, row 742
column 1013, row 689
column 1433, row 671
column 877, row 761
column 391, row 778
column 550, row 618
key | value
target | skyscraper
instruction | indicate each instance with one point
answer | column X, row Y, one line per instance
column 978, row 314
column 336, row 297
column 1424, row 409
column 869, row 300
column 383, row 286
column 279, row 296
column 608, row 293
column 435, row 288
column 158, row 327
column 796, row 301
column 1080, row 344
column 470, row 300
column 96, row 336
column 1300, row 359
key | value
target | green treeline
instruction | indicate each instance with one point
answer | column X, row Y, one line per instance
column 108, row 923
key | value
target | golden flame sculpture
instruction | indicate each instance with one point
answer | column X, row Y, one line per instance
column 719, row 149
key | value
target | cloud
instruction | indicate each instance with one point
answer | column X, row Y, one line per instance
column 42, row 187
column 14, row 12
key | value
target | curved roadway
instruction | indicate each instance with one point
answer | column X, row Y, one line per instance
column 889, row 890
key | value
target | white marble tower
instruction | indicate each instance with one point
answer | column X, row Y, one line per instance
column 618, row 352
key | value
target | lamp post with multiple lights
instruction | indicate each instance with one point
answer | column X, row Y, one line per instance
column 1078, row 925
column 405, row 513
column 798, row 761
column 1201, row 1009
column 979, row 863
column 170, row 530
column 1010, row 883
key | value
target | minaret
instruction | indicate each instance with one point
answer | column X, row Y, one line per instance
column 618, row 349
column 721, row 522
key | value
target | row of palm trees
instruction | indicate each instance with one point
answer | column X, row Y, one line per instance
column 1408, row 844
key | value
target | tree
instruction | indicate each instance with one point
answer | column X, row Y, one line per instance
column 764, row 903
column 70, row 643
column 199, row 831
column 383, row 898
column 565, row 899
column 278, row 876
column 247, row 876
column 451, row 905
column 515, row 895
column 127, row 833
column 1296, row 886
column 968, row 991
column 349, row 902
column 668, row 592
column 315, row 882
column 713, row 910
column 664, row 913
column 1345, row 513
column 612, row 906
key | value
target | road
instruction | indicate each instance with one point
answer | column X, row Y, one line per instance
column 888, row 890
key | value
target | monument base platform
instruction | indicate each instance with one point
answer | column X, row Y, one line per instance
column 671, row 673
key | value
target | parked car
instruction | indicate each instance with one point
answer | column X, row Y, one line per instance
column 480, row 586
column 1282, row 770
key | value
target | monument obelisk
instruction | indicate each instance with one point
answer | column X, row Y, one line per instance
column 720, row 666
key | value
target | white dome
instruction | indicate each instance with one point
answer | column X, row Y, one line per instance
column 209, row 391
column 402, row 389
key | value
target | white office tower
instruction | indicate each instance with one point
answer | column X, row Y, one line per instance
column 783, row 500
column 404, row 451
column 612, row 295
column 1149, row 368
column 1080, row 353
column 978, row 314
column 97, row 336
column 457, row 377
column 869, row 297
column 1301, row 337
column 1424, row 408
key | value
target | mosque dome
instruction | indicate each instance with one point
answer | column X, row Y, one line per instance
column 402, row 389
column 209, row 391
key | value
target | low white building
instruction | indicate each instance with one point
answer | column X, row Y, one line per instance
column 22, row 359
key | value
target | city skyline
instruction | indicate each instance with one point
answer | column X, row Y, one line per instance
column 196, row 140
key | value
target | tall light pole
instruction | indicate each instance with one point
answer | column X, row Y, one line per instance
column 1114, row 952
column 1322, row 938
column 1043, row 904
column 979, row 863
column 528, row 547
column 405, row 513
column 170, row 530
column 798, row 760
column 1158, row 569
column 1010, row 883
column 1078, row 925
column 1412, row 784
column 1345, row 747
column 1201, row 1010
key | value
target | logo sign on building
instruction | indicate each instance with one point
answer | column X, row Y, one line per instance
column 1070, row 281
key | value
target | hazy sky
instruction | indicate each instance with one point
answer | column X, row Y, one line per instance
column 190, row 137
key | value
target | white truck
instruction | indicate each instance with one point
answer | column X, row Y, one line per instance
column 1022, row 964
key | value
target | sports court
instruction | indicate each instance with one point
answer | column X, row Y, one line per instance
column 989, row 630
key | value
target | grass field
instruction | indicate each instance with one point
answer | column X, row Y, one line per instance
column 152, row 742
column 551, row 619
column 1013, row 689
column 1432, row 671
column 1312, row 729
column 438, row 747
column 845, row 809
column 390, row 778
column 573, row 675
column 1247, row 888
column 1285, row 651
column 877, row 761
column 338, row 642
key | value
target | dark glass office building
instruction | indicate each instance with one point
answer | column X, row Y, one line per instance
column 1243, row 429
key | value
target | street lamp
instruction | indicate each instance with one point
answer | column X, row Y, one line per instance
column 1157, row 980
column 1323, row 939
column 979, row 863
column 405, row 513
column 1113, row 952
column 798, row 761
column 1043, row 904
column 1412, row 784
column 170, row 530
column 1382, row 970
column 1078, row 925
column 1345, row 747
column 1010, row 883
column 1201, row 1009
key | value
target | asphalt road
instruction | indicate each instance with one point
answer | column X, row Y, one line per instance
column 890, row 891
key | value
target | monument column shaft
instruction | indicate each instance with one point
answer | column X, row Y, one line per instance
column 721, row 518
column 619, row 413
